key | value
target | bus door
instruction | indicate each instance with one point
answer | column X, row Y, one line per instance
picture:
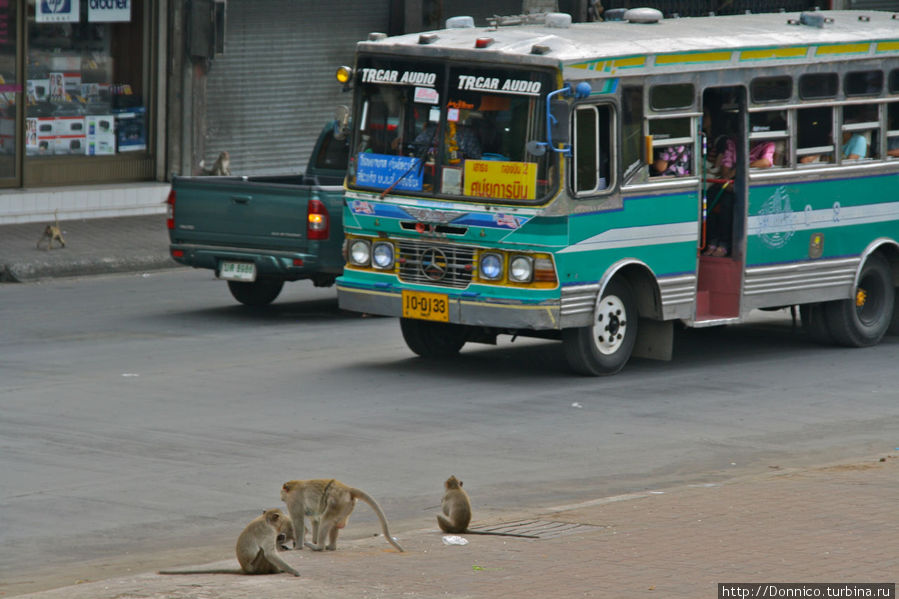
column 724, row 193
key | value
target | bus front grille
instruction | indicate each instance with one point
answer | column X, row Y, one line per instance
column 435, row 264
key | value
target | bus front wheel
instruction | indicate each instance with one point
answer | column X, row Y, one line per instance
column 863, row 319
column 604, row 347
column 433, row 339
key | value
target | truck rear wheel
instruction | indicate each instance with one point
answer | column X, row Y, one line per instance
column 258, row 293
column 433, row 339
column 604, row 347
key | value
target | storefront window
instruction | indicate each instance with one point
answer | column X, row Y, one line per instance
column 8, row 88
column 86, row 79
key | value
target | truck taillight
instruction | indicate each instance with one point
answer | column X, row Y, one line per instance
column 317, row 223
column 170, row 210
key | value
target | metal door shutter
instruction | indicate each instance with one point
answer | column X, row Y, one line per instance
column 270, row 94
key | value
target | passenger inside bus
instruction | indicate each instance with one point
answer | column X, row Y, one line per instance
column 672, row 161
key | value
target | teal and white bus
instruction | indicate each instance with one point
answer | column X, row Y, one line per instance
column 597, row 182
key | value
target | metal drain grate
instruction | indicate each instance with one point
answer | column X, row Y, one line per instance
column 540, row 529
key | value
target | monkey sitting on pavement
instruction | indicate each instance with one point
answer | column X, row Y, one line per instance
column 257, row 547
column 328, row 503
column 52, row 233
column 456, row 516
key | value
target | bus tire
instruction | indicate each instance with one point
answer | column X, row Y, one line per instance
column 604, row 347
column 258, row 293
column 863, row 319
column 814, row 321
column 433, row 339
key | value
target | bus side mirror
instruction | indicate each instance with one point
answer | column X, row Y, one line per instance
column 560, row 113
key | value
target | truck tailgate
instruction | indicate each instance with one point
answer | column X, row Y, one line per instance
column 233, row 210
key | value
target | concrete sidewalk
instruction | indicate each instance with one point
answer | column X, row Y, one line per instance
column 831, row 524
column 93, row 246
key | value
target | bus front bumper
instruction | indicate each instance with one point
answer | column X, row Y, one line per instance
column 468, row 308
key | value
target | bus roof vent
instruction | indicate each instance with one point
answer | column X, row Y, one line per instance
column 376, row 36
column 614, row 14
column 559, row 20
column 427, row 38
column 463, row 22
column 643, row 15
column 811, row 19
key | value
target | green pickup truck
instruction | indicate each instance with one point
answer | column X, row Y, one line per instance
column 258, row 232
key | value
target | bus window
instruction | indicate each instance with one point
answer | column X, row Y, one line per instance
column 863, row 83
column 771, row 89
column 894, row 81
column 672, row 145
column 814, row 134
column 592, row 150
column 669, row 97
column 818, row 85
column 860, row 132
column 632, row 145
column 769, row 137
column 893, row 129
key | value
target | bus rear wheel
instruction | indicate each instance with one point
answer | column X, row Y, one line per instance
column 604, row 347
column 863, row 319
column 258, row 293
column 433, row 339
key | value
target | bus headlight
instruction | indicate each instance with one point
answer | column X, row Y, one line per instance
column 360, row 252
column 521, row 269
column 491, row 267
column 382, row 255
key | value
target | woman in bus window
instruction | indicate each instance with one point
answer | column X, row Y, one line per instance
column 672, row 161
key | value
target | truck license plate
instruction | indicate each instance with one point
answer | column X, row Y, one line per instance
column 238, row 271
column 426, row 306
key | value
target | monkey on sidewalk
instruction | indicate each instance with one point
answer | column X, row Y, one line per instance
column 328, row 503
column 257, row 547
column 456, row 516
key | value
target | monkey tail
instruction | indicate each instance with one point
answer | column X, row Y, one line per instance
column 359, row 494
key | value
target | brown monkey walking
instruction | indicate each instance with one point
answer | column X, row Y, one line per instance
column 257, row 547
column 456, row 516
column 328, row 503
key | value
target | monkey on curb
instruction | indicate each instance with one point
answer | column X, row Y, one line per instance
column 456, row 516
column 328, row 503
column 257, row 547
column 52, row 233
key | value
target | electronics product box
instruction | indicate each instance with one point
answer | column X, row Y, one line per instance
column 100, row 138
column 45, row 135
column 131, row 130
column 69, row 135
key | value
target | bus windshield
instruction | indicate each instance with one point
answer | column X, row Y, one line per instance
column 436, row 129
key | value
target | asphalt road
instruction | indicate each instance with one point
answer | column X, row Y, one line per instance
column 144, row 419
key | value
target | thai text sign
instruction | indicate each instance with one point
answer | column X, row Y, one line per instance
column 503, row 180
column 382, row 171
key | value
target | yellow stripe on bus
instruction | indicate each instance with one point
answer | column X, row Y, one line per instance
column 842, row 49
column 692, row 57
column 762, row 54
column 887, row 46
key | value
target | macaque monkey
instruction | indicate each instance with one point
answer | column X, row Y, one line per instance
column 456, row 516
column 328, row 504
column 52, row 233
column 257, row 547
column 221, row 166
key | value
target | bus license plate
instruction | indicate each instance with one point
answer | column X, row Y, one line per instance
column 426, row 306
column 238, row 271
